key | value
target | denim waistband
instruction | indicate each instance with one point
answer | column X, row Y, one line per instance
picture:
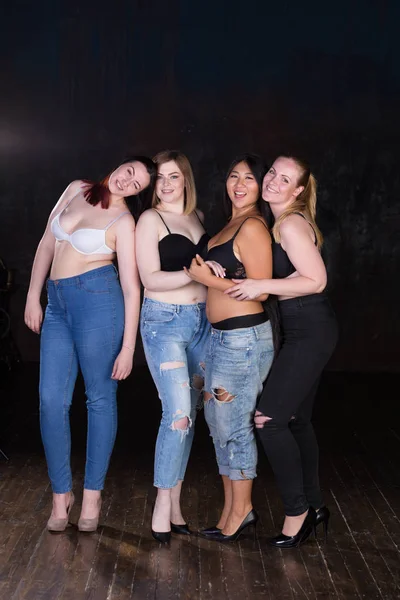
column 301, row 301
column 78, row 279
column 172, row 307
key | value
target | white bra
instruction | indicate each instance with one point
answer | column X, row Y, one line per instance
column 84, row 241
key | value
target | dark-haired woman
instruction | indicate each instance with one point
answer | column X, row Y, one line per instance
column 309, row 335
column 91, row 322
column 241, row 348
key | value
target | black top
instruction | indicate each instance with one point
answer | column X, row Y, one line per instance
column 281, row 265
column 224, row 255
column 177, row 251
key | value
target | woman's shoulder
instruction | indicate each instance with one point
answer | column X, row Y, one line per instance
column 68, row 195
column 76, row 186
column 254, row 223
column 149, row 216
column 295, row 223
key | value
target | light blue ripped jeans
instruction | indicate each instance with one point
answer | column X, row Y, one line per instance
column 238, row 362
column 174, row 340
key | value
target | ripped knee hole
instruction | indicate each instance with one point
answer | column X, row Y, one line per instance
column 198, row 382
column 222, row 395
column 181, row 423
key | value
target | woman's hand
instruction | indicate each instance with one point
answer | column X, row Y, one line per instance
column 123, row 364
column 33, row 315
column 199, row 271
column 260, row 419
column 216, row 268
column 246, row 289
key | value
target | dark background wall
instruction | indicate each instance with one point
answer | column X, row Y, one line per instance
column 83, row 82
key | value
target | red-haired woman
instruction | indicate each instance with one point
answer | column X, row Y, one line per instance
column 91, row 322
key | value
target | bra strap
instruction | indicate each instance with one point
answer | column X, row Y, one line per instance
column 126, row 212
column 168, row 229
column 195, row 212
column 237, row 231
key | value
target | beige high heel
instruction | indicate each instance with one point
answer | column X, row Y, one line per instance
column 89, row 525
column 57, row 525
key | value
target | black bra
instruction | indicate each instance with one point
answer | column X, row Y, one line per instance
column 224, row 255
column 177, row 251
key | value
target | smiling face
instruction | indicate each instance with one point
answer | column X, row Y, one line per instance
column 129, row 179
column 280, row 185
column 170, row 184
column 242, row 187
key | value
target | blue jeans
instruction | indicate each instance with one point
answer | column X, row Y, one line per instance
column 83, row 327
column 238, row 362
column 174, row 340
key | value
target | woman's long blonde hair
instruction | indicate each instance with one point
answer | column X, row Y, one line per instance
column 190, row 188
column 305, row 202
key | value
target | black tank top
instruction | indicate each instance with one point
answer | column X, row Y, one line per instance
column 224, row 255
column 177, row 251
column 281, row 265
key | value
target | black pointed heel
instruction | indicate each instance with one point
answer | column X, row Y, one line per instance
column 250, row 520
column 164, row 537
column 294, row 541
column 181, row 529
column 209, row 531
column 322, row 516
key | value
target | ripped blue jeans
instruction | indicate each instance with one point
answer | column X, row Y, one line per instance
column 175, row 338
column 237, row 364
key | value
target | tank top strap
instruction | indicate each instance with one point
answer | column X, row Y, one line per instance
column 241, row 225
column 126, row 212
column 310, row 224
column 168, row 229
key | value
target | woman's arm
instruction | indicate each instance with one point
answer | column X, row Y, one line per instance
column 254, row 246
column 130, row 284
column 42, row 262
column 310, row 277
column 148, row 258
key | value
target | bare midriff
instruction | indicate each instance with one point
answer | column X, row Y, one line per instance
column 192, row 293
column 67, row 262
column 220, row 306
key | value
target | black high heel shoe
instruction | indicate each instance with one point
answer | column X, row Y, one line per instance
column 294, row 541
column 180, row 529
column 209, row 531
column 250, row 519
column 164, row 537
column 322, row 516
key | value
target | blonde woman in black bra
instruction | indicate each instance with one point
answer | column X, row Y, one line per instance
column 174, row 328
column 241, row 348
column 90, row 323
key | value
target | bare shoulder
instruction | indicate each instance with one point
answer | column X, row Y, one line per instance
column 149, row 220
column 68, row 194
column 125, row 223
column 295, row 225
column 74, row 188
column 254, row 226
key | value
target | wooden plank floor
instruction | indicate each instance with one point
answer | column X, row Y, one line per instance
column 360, row 475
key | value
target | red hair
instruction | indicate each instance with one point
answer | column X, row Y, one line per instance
column 98, row 192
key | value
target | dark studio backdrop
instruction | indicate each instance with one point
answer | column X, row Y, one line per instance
column 83, row 82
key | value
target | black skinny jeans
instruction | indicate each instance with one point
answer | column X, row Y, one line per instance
column 310, row 334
